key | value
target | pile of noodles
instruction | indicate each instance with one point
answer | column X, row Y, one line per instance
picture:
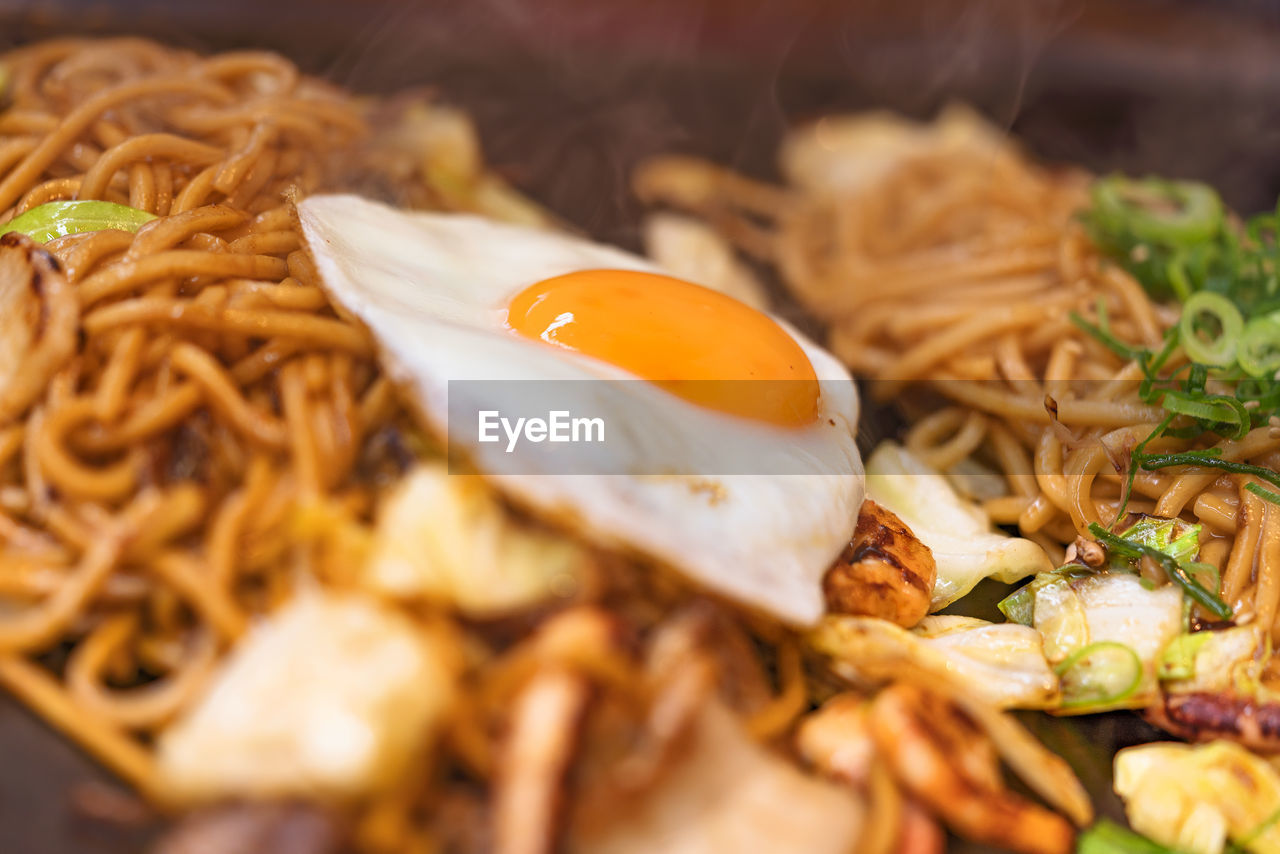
column 951, row 274
column 148, row 497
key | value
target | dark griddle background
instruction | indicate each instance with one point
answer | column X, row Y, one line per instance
column 570, row 94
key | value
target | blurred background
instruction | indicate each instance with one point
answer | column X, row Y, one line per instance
column 570, row 94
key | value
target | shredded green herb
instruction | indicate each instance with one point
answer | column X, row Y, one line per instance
column 1104, row 337
column 1178, row 572
column 1263, row 493
column 1175, row 238
column 1208, row 458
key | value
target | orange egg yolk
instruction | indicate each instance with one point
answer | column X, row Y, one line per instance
column 694, row 342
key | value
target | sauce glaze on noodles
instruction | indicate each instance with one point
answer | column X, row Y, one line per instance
column 151, row 498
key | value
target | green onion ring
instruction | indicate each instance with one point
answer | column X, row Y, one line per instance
column 1158, row 211
column 1259, row 349
column 1116, row 696
column 1221, row 351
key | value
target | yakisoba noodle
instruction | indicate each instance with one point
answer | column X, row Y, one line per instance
column 957, row 268
column 147, row 494
column 150, row 496
column 218, row 434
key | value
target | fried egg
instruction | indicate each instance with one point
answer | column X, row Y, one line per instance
column 727, row 450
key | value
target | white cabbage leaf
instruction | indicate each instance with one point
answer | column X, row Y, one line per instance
column 1106, row 612
column 1196, row 798
column 333, row 696
column 446, row 538
column 965, row 545
column 1001, row 663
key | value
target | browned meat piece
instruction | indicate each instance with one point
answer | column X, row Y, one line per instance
column 944, row 759
column 885, row 572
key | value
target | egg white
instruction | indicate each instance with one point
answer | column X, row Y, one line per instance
column 433, row 289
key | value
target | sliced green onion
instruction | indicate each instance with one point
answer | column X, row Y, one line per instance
column 1107, row 837
column 1219, row 410
column 58, row 219
column 1178, row 661
column 1019, row 606
column 1099, row 674
column 1121, row 547
column 1158, row 211
column 1220, row 350
column 1176, row 538
column 1105, row 338
column 1258, row 351
column 1175, row 272
column 1194, row 458
column 1198, row 405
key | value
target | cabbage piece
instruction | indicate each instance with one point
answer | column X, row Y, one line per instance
column 1197, row 798
column 725, row 793
column 446, row 538
column 1085, row 616
column 1178, row 539
column 965, row 545
column 848, row 154
column 1217, row 662
column 1002, row 663
column 333, row 696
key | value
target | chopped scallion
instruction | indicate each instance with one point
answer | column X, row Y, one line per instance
column 1099, row 675
column 1210, row 329
column 58, row 219
column 1177, row 573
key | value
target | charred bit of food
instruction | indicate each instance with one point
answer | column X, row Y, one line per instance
column 1205, row 716
column 1220, row 690
column 1088, row 552
column 885, row 572
column 39, row 316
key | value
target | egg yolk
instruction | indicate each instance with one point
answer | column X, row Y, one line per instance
column 694, row 342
